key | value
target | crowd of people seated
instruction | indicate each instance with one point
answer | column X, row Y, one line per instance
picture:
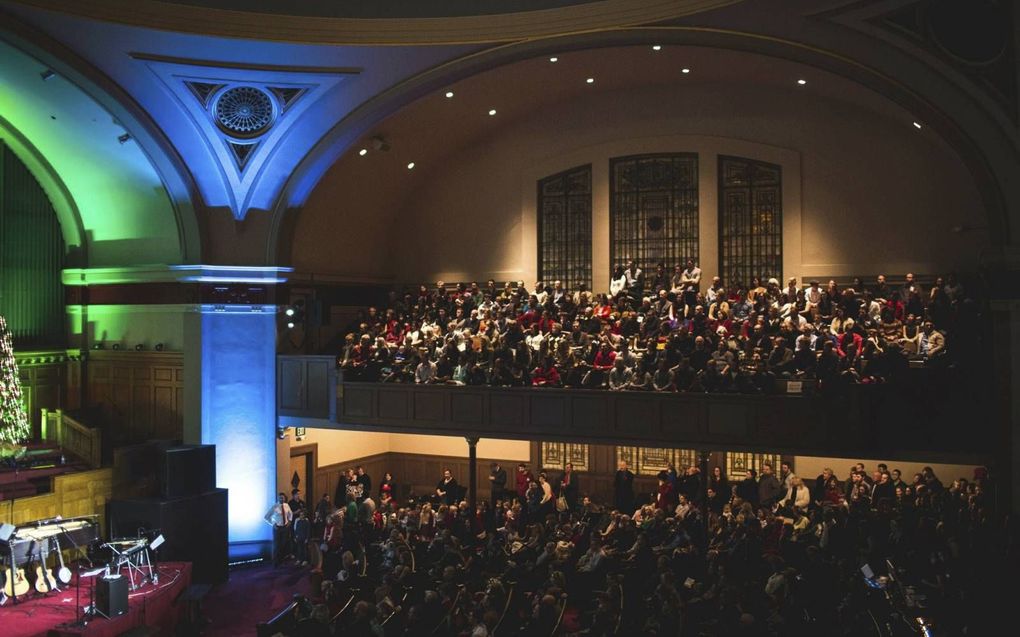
column 659, row 332
column 769, row 554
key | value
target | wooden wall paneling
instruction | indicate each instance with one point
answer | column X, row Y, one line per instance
column 138, row 394
column 74, row 494
column 43, row 375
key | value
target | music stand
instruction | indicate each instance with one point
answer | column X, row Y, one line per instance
column 90, row 610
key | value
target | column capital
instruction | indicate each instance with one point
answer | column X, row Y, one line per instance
column 472, row 440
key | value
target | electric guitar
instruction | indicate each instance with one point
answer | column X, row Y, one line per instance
column 16, row 583
column 44, row 580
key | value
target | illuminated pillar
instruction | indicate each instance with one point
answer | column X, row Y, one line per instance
column 230, row 398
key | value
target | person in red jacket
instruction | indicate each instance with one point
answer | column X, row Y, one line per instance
column 604, row 360
column 524, row 478
column 546, row 374
column 666, row 498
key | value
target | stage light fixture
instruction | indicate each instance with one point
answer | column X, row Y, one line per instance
column 685, row 70
column 917, row 126
column 139, row 347
column 116, row 346
column 290, row 325
column 123, row 139
column 289, row 311
column 47, row 74
column 363, row 152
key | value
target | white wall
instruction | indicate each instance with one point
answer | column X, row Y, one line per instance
column 809, row 467
column 337, row 447
column 863, row 191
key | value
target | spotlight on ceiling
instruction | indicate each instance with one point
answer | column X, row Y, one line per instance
column 159, row 347
column 656, row 47
column 139, row 347
column 379, row 143
column 802, row 82
column 449, row 94
column 123, row 139
column 554, row 59
column 363, row 152
column 590, row 80
column 917, row 126
column 685, row 70
column 410, row 165
column 47, row 74
column 492, row 112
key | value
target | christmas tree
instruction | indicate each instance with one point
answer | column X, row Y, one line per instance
column 14, row 426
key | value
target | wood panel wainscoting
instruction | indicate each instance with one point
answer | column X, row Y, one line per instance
column 138, row 396
column 74, row 494
column 417, row 474
column 49, row 380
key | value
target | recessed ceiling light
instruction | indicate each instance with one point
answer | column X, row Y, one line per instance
column 363, row 152
column 492, row 112
column 554, row 59
column 449, row 94
column 685, row 70
column 917, row 126
column 802, row 82
column 656, row 47
column 590, row 80
column 410, row 165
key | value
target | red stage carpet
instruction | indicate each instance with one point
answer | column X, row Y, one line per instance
column 50, row 615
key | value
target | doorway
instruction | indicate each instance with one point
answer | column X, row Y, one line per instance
column 304, row 460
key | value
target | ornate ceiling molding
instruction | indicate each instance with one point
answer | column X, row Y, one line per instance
column 591, row 16
column 242, row 113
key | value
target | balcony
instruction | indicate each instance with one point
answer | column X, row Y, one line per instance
column 920, row 419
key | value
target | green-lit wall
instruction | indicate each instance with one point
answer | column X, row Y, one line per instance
column 31, row 257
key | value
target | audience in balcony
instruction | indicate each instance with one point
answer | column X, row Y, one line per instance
column 664, row 334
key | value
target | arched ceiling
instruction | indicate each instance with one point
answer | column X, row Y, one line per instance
column 102, row 188
column 351, row 67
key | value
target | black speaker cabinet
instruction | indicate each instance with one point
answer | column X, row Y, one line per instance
column 187, row 470
column 194, row 529
column 112, row 595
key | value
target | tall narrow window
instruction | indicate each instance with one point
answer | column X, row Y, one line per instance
column 750, row 220
column 564, row 228
column 653, row 210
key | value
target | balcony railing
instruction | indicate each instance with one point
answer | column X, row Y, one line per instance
column 921, row 418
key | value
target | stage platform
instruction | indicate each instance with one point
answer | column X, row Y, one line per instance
column 152, row 606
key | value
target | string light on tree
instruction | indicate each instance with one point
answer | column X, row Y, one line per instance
column 14, row 426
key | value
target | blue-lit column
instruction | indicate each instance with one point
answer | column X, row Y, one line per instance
column 230, row 394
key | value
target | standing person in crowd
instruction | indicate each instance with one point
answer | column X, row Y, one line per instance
column 364, row 481
column 447, row 488
column 568, row 487
column 497, row 482
column 302, row 533
column 747, row 489
column 691, row 282
column 280, row 517
column 296, row 503
column 523, row 480
column 623, row 488
column 769, row 488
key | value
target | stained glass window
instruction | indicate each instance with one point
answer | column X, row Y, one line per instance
column 556, row 455
column 649, row 461
column 653, row 211
column 750, row 220
column 738, row 463
column 564, row 228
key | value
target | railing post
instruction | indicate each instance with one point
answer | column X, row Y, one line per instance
column 472, row 474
